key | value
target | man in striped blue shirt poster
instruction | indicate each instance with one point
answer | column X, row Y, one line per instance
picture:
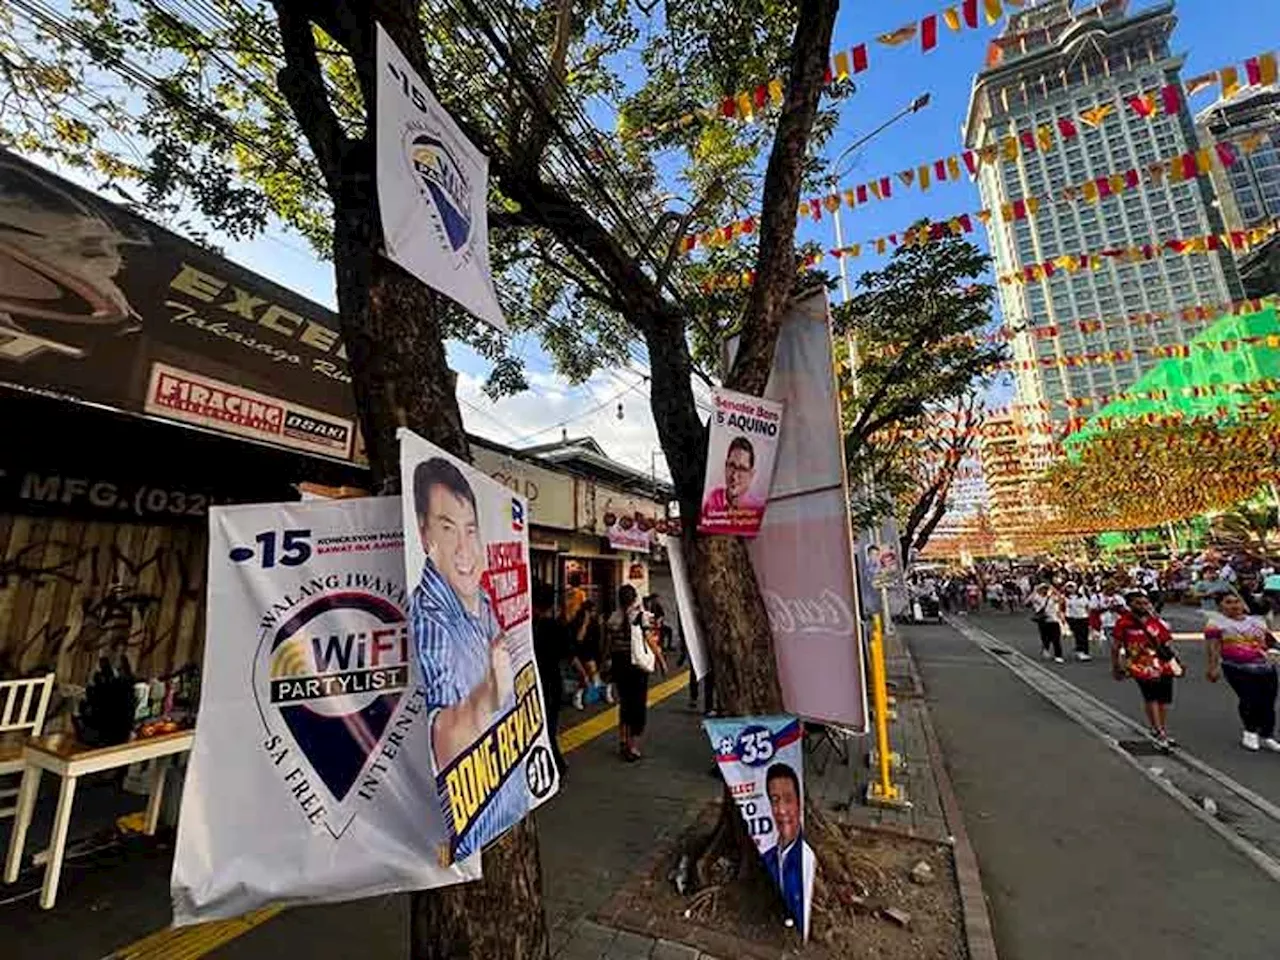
column 464, row 654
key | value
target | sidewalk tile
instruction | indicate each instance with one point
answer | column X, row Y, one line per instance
column 630, row 946
column 669, row 950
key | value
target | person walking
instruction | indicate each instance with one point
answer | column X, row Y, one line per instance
column 633, row 654
column 1046, row 611
column 1241, row 648
column 1142, row 649
column 584, row 636
column 1076, row 607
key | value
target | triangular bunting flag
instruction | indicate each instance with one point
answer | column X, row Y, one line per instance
column 895, row 38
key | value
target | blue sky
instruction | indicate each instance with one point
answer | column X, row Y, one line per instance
column 1209, row 33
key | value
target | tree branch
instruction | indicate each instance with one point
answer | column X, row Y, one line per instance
column 302, row 83
column 540, row 129
column 775, row 258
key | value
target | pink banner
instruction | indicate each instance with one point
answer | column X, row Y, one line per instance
column 803, row 556
column 740, row 457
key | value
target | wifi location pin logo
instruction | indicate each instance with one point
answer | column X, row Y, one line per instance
column 332, row 669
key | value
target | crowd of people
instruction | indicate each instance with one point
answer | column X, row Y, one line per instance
column 1117, row 609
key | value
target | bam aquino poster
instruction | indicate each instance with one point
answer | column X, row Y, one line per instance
column 467, row 570
column 762, row 762
column 740, row 457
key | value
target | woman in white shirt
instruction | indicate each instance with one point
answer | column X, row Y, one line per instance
column 1076, row 607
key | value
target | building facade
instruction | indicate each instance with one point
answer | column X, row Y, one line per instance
column 1052, row 64
column 1249, row 191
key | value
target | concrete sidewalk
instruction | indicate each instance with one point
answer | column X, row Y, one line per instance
column 1081, row 856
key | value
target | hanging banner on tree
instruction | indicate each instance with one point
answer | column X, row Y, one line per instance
column 803, row 556
column 762, row 762
column 467, row 563
column 740, row 457
column 692, row 633
column 432, row 189
column 313, row 717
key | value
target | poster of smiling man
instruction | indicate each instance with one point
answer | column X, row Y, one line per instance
column 740, row 456
column 467, row 569
column 762, row 762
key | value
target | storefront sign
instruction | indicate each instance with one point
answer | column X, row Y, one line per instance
column 92, row 296
column 188, row 397
column 304, row 783
column 628, row 532
column 740, row 456
column 467, row 559
column 549, row 494
column 803, row 556
column 433, row 189
column 762, row 762
column 102, row 497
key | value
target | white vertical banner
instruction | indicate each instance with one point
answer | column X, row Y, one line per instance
column 762, row 762
column 309, row 779
column 433, row 187
column 467, row 564
column 684, row 604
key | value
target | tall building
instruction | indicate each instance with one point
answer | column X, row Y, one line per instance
column 1054, row 63
column 1249, row 191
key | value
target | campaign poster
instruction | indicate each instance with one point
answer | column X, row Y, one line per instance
column 467, row 565
column 433, row 189
column 740, row 457
column 309, row 779
column 762, row 762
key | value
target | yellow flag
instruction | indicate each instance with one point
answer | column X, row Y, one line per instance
column 775, row 91
column 1252, row 141
column 1266, row 68
column 1230, row 80
column 879, row 244
column 953, row 167
column 874, row 187
column 1091, row 192
column 984, row 216
column 849, row 199
column 842, row 65
column 1033, row 206
column 1009, row 149
column 993, row 10
column 922, row 175
column 1116, row 182
column 988, row 153
column 1095, row 115
column 745, row 109
column 1044, row 137
column 896, row 38
column 952, row 16
column 1204, row 161
column 1006, row 211
column 832, row 203
column 854, row 249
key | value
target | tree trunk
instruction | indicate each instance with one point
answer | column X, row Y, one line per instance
column 390, row 325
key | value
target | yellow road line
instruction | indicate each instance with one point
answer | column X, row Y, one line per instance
column 191, row 943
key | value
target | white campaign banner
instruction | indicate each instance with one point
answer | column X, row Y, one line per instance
column 740, row 457
column 309, row 779
column 432, row 189
column 762, row 762
column 693, row 641
column 467, row 564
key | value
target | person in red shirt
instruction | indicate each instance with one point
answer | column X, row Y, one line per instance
column 1142, row 648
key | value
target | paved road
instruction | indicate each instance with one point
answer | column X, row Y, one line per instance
column 1081, row 856
column 1203, row 718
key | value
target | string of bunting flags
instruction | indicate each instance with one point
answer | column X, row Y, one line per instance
column 757, row 102
column 1226, row 153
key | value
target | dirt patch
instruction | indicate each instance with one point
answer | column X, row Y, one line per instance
column 869, row 877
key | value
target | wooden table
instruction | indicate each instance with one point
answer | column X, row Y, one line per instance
column 61, row 755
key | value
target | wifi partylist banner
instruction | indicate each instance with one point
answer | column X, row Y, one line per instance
column 310, row 778
column 467, row 563
column 762, row 762
column 803, row 555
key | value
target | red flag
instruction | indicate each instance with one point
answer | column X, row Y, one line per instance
column 1226, row 154
column 1019, row 209
column 815, row 209
column 1171, row 96
column 1142, row 106
column 828, row 75
column 1253, row 71
column 749, row 225
column 929, row 32
column 1211, row 242
column 886, row 188
column 940, row 169
column 1028, row 139
column 1066, row 127
column 862, row 193
column 1104, row 186
column 859, row 58
column 727, row 107
column 761, row 96
column 971, row 13
column 1188, row 165
column 971, row 162
column 1131, row 178
column 966, row 223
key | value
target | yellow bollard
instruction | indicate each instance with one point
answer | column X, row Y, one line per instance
column 882, row 792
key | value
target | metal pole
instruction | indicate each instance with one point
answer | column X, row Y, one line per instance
column 882, row 791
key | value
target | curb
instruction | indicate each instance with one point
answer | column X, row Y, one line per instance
column 979, row 934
